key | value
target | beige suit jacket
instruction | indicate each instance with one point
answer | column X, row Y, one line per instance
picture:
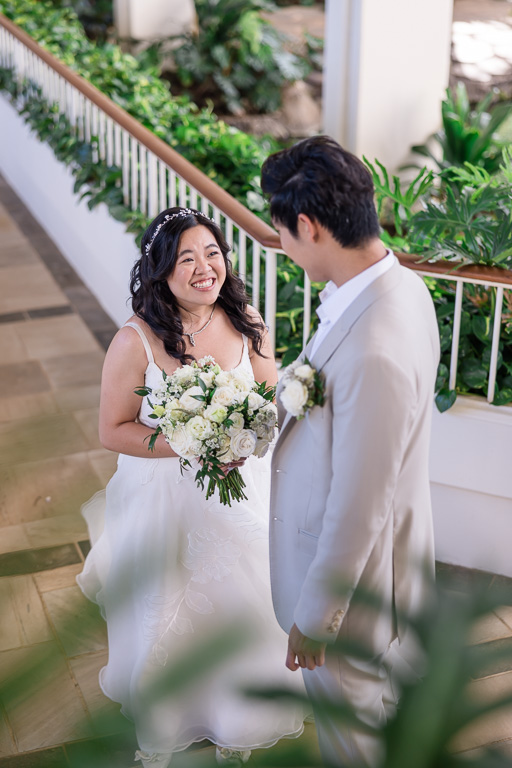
column 350, row 498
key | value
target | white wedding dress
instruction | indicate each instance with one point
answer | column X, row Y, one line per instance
column 170, row 571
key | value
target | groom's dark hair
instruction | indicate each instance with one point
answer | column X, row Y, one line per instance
column 319, row 178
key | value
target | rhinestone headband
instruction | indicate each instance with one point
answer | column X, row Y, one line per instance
column 170, row 217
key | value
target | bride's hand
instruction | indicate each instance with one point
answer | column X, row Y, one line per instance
column 226, row 468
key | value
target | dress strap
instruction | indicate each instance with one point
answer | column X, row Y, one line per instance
column 245, row 348
column 144, row 340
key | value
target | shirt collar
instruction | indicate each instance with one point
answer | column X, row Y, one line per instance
column 335, row 300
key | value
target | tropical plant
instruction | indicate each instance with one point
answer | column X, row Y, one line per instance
column 465, row 216
column 472, row 224
column 469, row 134
column 236, row 59
column 395, row 206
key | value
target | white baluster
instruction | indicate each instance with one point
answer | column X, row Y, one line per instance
column 162, row 186
column 457, row 315
column 118, row 146
column 256, row 249
column 496, row 333
column 134, row 167
column 307, row 309
column 152, row 185
column 271, row 294
column 182, row 193
column 143, row 153
column 109, row 143
column 172, row 188
column 126, row 167
column 242, row 254
column 87, row 121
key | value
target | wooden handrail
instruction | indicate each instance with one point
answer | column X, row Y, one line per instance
column 455, row 268
column 242, row 217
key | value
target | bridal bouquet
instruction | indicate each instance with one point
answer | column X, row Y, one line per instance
column 214, row 416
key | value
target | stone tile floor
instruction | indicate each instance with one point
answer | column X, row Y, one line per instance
column 52, row 640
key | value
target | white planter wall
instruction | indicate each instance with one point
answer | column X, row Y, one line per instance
column 471, row 468
column 471, row 481
column 97, row 246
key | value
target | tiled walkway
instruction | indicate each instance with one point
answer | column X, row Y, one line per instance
column 52, row 642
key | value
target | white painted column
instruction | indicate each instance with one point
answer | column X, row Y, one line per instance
column 153, row 19
column 386, row 70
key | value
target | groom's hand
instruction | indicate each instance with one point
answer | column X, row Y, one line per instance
column 309, row 653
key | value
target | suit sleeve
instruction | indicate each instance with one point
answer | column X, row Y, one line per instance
column 372, row 410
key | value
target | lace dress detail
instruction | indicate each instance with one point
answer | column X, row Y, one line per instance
column 167, row 569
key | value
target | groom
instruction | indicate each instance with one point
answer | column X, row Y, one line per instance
column 350, row 501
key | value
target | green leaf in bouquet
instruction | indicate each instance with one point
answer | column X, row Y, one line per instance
column 152, row 438
column 142, row 391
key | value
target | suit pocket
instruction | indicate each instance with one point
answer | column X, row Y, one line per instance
column 308, row 542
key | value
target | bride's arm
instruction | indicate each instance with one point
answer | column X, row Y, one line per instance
column 123, row 372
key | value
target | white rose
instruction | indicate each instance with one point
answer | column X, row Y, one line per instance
column 237, row 425
column 255, row 401
column 181, row 442
column 225, row 395
column 199, row 428
column 174, row 410
column 188, row 400
column 244, row 443
column 242, row 379
column 183, row 374
column 305, row 373
column 223, row 379
column 215, row 412
column 207, row 378
column 294, row 397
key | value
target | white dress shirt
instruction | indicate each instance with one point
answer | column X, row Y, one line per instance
column 335, row 301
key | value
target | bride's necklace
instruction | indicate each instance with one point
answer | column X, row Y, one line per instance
column 195, row 333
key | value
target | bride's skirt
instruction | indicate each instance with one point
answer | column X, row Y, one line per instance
column 172, row 573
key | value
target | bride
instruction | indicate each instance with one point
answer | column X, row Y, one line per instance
column 170, row 570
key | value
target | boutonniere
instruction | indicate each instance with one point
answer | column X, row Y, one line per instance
column 303, row 387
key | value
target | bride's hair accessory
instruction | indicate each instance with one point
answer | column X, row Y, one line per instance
column 303, row 387
column 169, row 217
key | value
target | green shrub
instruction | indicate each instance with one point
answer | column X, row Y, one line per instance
column 232, row 158
column 236, row 58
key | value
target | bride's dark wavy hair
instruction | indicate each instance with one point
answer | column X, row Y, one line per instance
column 152, row 299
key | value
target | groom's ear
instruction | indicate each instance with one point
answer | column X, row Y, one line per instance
column 307, row 228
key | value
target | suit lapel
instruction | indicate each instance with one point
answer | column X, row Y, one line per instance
column 341, row 329
column 305, row 353
column 369, row 296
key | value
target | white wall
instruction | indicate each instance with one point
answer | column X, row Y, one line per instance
column 97, row 246
column 386, row 69
column 471, row 481
column 153, row 19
